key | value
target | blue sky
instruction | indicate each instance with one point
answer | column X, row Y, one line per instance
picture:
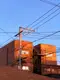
column 15, row 13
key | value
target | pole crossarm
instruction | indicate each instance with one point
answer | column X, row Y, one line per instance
column 25, row 30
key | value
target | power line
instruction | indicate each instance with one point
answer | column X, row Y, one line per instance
column 48, row 2
column 46, row 17
column 11, row 37
column 40, row 34
column 44, row 37
column 41, row 38
column 42, row 15
column 48, row 20
column 52, row 38
column 7, row 40
column 47, row 36
column 8, row 32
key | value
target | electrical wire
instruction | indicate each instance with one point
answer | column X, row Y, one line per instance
column 47, row 36
column 42, row 15
column 43, row 38
column 7, row 41
column 8, row 32
column 52, row 38
column 48, row 20
column 46, row 17
column 48, row 2
column 11, row 37
column 55, row 5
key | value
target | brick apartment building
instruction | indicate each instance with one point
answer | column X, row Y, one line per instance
column 47, row 53
column 45, row 61
column 9, row 54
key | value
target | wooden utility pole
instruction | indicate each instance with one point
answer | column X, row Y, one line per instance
column 20, row 45
column 20, row 42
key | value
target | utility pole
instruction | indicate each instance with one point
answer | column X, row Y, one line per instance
column 20, row 46
column 25, row 30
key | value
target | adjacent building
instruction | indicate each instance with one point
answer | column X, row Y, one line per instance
column 44, row 59
column 47, row 53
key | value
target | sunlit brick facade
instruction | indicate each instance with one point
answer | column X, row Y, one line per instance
column 47, row 53
column 44, row 59
column 9, row 54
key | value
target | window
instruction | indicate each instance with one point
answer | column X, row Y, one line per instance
column 25, row 52
column 59, row 71
column 25, row 68
column 49, row 55
column 53, row 70
column 48, row 69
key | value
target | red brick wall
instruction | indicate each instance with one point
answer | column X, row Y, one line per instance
column 10, row 47
column 28, row 47
column 3, row 53
column 50, row 54
column 10, row 53
column 7, row 54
